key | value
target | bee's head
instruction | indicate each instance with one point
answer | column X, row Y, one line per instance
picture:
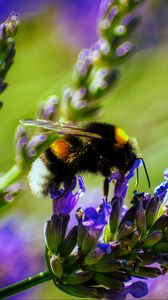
column 131, row 151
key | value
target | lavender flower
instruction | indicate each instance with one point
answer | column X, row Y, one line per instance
column 161, row 190
column 121, row 185
column 105, row 256
column 94, row 219
column 64, row 200
column 8, row 30
column 95, row 70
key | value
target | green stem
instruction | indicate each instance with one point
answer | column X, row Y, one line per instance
column 25, row 284
column 10, row 176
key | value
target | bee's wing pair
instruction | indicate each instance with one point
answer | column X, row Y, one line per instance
column 60, row 128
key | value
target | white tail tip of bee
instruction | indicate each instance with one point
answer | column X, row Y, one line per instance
column 39, row 177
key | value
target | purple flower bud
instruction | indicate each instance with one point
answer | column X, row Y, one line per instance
column 21, row 144
column 121, row 184
column 166, row 174
column 50, row 109
column 31, row 152
column 9, row 27
column 127, row 19
column 161, row 190
column 15, row 187
column 112, row 13
column 108, row 248
column 12, row 190
column 104, row 7
column 8, row 198
column 20, row 132
column 83, row 64
column 77, row 98
column 36, row 140
column 67, row 96
column 34, row 143
column 124, row 49
column 2, row 31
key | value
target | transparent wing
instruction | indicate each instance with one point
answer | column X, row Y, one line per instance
column 60, row 128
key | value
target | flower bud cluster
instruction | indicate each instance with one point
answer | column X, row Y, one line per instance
column 95, row 70
column 8, row 30
column 110, row 245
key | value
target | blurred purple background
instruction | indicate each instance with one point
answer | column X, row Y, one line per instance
column 76, row 19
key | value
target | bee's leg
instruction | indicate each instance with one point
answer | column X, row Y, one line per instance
column 106, row 187
column 106, row 172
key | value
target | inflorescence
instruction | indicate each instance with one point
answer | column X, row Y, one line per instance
column 110, row 245
column 8, row 30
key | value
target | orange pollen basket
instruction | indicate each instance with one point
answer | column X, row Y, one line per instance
column 61, row 149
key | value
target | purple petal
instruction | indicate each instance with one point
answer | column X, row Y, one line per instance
column 89, row 223
column 105, row 4
column 124, row 49
column 105, row 247
column 81, row 184
column 161, row 190
column 135, row 166
column 91, row 213
column 36, row 140
column 70, row 203
column 127, row 19
column 112, row 13
column 138, row 289
column 104, row 213
column 21, row 143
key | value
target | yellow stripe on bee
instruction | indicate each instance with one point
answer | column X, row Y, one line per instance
column 121, row 136
column 61, row 149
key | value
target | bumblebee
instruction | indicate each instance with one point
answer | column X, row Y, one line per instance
column 97, row 148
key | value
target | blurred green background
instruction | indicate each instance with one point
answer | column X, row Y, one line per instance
column 139, row 102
